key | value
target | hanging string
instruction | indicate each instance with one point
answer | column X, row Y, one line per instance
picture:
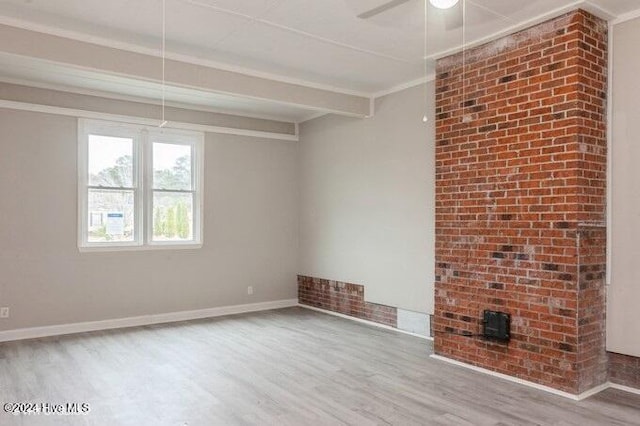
column 164, row 37
column 425, row 118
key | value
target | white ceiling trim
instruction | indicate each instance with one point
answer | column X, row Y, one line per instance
column 626, row 17
column 404, row 86
column 599, row 11
column 581, row 4
column 313, row 117
column 138, row 99
column 135, row 48
column 81, row 113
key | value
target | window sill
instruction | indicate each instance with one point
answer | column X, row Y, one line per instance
column 150, row 247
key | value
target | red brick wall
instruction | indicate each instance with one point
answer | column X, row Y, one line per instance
column 344, row 298
column 624, row 370
column 591, row 307
column 520, row 202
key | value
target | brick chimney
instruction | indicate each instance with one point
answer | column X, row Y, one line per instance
column 520, row 202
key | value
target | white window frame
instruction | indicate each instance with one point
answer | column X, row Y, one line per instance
column 143, row 138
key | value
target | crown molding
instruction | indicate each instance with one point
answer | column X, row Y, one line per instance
column 626, row 17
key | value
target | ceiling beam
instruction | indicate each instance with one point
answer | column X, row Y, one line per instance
column 82, row 55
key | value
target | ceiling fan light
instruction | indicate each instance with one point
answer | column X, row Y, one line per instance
column 443, row 4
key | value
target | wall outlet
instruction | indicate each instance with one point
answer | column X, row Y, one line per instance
column 250, row 290
column 4, row 312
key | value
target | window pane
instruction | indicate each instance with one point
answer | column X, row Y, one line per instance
column 171, row 166
column 111, row 216
column 172, row 216
column 110, row 161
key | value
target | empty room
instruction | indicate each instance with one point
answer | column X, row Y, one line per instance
column 335, row 212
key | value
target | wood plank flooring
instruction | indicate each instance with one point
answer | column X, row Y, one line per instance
column 284, row 367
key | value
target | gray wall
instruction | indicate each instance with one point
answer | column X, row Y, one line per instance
column 250, row 232
column 367, row 200
column 623, row 313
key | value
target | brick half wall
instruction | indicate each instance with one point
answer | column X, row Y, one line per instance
column 624, row 370
column 343, row 298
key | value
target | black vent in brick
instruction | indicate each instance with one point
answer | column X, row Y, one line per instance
column 496, row 325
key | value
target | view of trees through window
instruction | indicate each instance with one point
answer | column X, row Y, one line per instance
column 172, row 196
column 111, row 193
column 111, row 197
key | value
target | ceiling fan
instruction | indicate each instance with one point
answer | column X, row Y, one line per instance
column 451, row 20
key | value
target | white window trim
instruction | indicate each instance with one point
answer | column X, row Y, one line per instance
column 143, row 192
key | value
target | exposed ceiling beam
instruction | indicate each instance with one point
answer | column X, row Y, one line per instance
column 108, row 60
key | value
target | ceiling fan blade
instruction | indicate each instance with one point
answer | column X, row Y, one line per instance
column 382, row 8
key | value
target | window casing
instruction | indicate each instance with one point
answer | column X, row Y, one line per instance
column 138, row 187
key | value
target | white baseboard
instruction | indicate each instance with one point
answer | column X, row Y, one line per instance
column 624, row 388
column 548, row 389
column 593, row 391
column 81, row 327
column 375, row 324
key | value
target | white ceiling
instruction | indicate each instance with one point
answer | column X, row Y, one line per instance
column 316, row 42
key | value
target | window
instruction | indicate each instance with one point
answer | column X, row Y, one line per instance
column 138, row 187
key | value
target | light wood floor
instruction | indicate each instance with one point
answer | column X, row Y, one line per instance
column 284, row 367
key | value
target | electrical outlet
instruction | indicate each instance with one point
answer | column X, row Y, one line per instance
column 4, row 312
column 250, row 290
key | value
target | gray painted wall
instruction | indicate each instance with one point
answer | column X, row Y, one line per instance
column 250, row 232
column 367, row 200
column 623, row 314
